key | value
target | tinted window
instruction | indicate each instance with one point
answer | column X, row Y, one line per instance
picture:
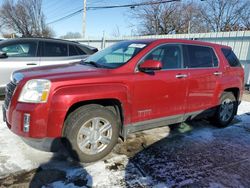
column 24, row 49
column 80, row 51
column 200, row 56
column 231, row 57
column 168, row 55
column 52, row 49
column 40, row 49
column 72, row 50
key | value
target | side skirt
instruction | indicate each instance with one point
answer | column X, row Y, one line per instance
column 160, row 122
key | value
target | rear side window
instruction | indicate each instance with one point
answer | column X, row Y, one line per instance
column 200, row 57
column 231, row 57
column 72, row 50
column 53, row 49
column 80, row 51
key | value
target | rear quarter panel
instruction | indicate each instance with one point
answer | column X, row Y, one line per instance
column 232, row 77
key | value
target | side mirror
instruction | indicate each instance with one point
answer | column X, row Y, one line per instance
column 3, row 55
column 150, row 65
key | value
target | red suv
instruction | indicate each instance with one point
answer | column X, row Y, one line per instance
column 128, row 87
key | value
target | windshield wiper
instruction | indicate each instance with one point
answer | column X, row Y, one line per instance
column 90, row 63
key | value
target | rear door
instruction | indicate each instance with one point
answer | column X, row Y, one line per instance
column 53, row 53
column 203, row 72
column 20, row 55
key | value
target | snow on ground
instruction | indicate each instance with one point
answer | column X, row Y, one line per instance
column 196, row 154
column 244, row 112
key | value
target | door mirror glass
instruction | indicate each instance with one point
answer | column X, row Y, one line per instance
column 150, row 65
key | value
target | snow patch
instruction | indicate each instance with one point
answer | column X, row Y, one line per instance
column 244, row 113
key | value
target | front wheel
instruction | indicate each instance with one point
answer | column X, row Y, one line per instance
column 226, row 110
column 92, row 132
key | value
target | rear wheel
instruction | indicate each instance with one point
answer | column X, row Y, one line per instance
column 226, row 110
column 92, row 132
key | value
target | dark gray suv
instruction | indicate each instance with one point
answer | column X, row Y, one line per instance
column 30, row 52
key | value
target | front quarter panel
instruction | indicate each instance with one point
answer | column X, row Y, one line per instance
column 65, row 97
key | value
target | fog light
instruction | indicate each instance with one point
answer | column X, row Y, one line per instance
column 26, row 123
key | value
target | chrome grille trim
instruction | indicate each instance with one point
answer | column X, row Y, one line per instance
column 10, row 88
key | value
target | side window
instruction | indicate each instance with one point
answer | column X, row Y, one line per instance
column 80, row 51
column 200, row 56
column 23, row 49
column 231, row 57
column 169, row 55
column 53, row 49
column 72, row 50
column 40, row 49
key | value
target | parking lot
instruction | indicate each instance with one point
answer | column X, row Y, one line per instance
column 195, row 154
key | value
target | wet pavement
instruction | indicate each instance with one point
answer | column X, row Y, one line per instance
column 195, row 154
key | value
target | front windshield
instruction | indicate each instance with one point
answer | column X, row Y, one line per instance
column 116, row 55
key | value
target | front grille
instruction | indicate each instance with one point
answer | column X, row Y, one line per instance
column 10, row 88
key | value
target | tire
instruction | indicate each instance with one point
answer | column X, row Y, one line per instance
column 91, row 132
column 226, row 111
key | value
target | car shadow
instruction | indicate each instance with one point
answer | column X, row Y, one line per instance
column 61, row 170
column 195, row 154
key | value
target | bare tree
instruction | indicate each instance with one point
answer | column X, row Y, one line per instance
column 193, row 16
column 226, row 15
column 24, row 17
column 150, row 18
column 246, row 20
column 175, row 17
column 71, row 35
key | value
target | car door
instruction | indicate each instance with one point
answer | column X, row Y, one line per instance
column 20, row 55
column 161, row 94
column 53, row 53
column 203, row 68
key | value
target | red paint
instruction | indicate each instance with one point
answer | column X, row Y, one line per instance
column 143, row 96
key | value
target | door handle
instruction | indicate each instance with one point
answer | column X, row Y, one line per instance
column 31, row 64
column 217, row 73
column 180, row 76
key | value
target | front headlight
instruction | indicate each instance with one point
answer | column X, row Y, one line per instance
column 35, row 91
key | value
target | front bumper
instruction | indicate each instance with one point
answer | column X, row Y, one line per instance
column 45, row 144
column 43, row 121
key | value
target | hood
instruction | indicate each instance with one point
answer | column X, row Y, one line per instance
column 62, row 71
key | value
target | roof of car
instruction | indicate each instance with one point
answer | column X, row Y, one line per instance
column 39, row 39
column 9, row 41
column 185, row 41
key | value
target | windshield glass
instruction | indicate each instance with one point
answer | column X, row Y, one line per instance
column 116, row 55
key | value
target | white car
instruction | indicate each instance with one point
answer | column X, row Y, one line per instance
column 31, row 52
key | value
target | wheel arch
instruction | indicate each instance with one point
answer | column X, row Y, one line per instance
column 112, row 104
column 235, row 91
